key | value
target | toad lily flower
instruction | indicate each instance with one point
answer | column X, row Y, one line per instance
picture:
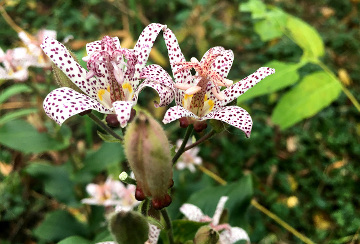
column 228, row 234
column 33, row 46
column 112, row 84
column 111, row 193
column 15, row 64
column 189, row 158
column 199, row 97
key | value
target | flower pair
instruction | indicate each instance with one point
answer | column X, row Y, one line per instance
column 113, row 82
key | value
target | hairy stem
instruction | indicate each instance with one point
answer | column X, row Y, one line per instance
column 188, row 133
column 201, row 140
column 168, row 225
column 104, row 126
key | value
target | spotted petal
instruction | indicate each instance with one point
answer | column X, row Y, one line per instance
column 240, row 87
column 77, row 74
column 233, row 235
column 219, row 209
column 166, row 94
column 96, row 45
column 64, row 102
column 234, row 116
column 192, row 212
column 154, row 233
column 144, row 44
column 123, row 111
column 176, row 56
column 157, row 74
column 223, row 64
column 177, row 112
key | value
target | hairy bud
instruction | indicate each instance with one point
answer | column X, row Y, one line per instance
column 206, row 235
column 129, row 227
column 148, row 152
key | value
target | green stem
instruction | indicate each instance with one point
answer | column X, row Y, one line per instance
column 124, row 177
column 168, row 225
column 144, row 207
column 201, row 140
column 345, row 90
column 188, row 133
column 104, row 126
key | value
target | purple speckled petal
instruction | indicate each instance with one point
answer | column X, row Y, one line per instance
column 234, row 116
column 223, row 64
column 240, row 87
column 77, row 74
column 154, row 233
column 157, row 74
column 96, row 45
column 233, row 235
column 123, row 111
column 144, row 44
column 175, row 56
column 177, row 112
column 192, row 212
column 166, row 93
column 64, row 102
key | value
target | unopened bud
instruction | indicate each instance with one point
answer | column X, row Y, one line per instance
column 184, row 122
column 199, row 126
column 148, row 152
column 112, row 121
column 206, row 235
column 129, row 227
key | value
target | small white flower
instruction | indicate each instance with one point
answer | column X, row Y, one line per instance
column 111, row 193
column 189, row 158
column 228, row 234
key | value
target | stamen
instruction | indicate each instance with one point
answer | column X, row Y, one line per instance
column 192, row 90
column 217, row 94
column 86, row 58
column 228, row 82
column 90, row 74
column 118, row 73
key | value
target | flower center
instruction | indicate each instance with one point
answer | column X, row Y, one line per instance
column 113, row 66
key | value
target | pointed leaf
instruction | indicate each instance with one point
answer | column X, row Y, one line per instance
column 315, row 92
column 185, row 230
column 306, row 37
column 13, row 90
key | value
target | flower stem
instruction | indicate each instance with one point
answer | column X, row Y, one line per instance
column 201, row 140
column 144, row 207
column 8, row 20
column 345, row 90
column 188, row 133
column 124, row 177
column 104, row 126
column 168, row 225
column 261, row 208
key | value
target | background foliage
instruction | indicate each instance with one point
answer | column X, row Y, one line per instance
column 301, row 161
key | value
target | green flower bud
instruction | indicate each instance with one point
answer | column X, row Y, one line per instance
column 129, row 227
column 206, row 235
column 148, row 152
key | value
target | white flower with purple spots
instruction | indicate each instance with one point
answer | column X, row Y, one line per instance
column 111, row 193
column 228, row 234
column 199, row 97
column 189, row 158
column 14, row 64
column 112, row 84
column 33, row 46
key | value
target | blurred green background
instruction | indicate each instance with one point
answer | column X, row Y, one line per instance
column 304, row 151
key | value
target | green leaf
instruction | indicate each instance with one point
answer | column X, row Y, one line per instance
column 13, row 90
column 185, row 230
column 75, row 239
column 56, row 181
column 256, row 7
column 108, row 155
column 21, row 136
column 239, row 194
column 285, row 75
column 306, row 37
column 16, row 114
column 108, row 137
column 59, row 225
column 272, row 26
column 315, row 92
